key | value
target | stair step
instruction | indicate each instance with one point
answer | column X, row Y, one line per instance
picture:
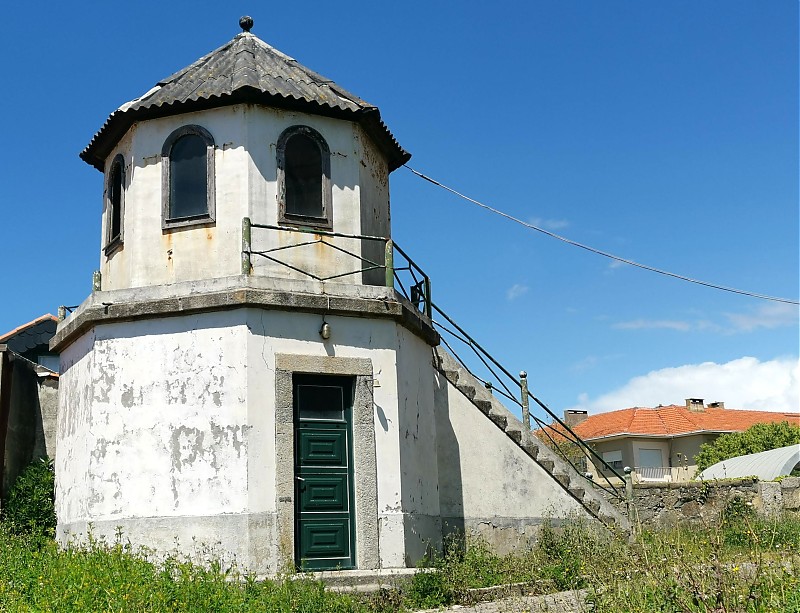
column 500, row 419
column 467, row 390
column 562, row 478
column 606, row 519
column 530, row 447
column 548, row 465
column 484, row 405
column 578, row 492
column 451, row 375
column 515, row 434
column 592, row 505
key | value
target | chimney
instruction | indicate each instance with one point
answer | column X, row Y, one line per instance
column 695, row 404
column 716, row 405
column 573, row 418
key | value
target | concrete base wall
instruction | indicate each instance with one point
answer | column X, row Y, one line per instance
column 245, row 538
column 488, row 486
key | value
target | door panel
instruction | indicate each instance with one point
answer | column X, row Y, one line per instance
column 324, row 525
column 325, row 493
column 325, row 543
column 322, row 447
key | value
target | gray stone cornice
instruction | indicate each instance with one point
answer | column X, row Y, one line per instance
column 347, row 300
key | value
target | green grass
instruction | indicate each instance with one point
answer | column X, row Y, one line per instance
column 741, row 564
column 36, row 576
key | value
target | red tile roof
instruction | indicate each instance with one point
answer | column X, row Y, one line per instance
column 674, row 420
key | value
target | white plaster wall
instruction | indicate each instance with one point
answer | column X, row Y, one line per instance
column 246, row 185
column 154, row 421
column 297, row 333
column 164, row 420
column 375, row 211
column 484, row 476
column 150, row 256
column 418, row 453
column 73, row 429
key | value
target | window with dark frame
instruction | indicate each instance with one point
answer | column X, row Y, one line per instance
column 188, row 177
column 304, row 189
column 115, row 191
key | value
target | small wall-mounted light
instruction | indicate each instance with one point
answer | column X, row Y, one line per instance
column 325, row 330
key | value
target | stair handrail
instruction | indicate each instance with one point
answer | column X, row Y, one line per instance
column 484, row 355
column 418, row 293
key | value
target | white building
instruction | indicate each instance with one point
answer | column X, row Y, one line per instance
column 243, row 376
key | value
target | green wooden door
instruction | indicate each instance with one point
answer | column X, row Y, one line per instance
column 323, row 469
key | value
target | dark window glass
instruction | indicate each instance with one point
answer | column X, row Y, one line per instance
column 188, row 180
column 321, row 402
column 303, row 167
column 115, row 201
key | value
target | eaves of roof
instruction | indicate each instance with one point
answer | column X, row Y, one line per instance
column 246, row 70
column 621, row 435
column 30, row 324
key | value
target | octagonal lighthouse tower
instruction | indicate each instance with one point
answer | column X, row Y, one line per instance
column 244, row 374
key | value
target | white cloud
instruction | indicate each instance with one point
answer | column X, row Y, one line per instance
column 516, row 290
column 766, row 316
column 591, row 361
column 745, row 383
column 653, row 324
column 549, row 224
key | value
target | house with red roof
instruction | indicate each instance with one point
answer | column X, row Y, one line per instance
column 660, row 443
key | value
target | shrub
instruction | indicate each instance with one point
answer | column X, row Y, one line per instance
column 760, row 437
column 29, row 508
column 428, row 589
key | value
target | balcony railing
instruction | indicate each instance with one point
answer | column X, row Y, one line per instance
column 654, row 473
column 357, row 254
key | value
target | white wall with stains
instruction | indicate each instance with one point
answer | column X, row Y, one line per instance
column 160, row 405
column 168, row 422
column 487, row 484
column 245, row 161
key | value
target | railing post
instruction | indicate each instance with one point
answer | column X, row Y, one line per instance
column 246, row 233
column 630, row 507
column 389, row 262
column 428, row 297
column 526, row 409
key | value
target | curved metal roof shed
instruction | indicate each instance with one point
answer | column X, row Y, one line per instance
column 766, row 465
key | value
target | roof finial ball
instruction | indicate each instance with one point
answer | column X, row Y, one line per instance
column 246, row 22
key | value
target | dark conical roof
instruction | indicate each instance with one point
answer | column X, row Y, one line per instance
column 244, row 70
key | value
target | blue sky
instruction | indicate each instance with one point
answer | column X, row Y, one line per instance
column 665, row 133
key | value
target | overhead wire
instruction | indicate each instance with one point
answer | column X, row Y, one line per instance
column 591, row 249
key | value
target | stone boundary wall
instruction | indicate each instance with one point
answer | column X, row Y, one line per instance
column 661, row 505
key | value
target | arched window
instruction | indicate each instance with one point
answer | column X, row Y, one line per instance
column 115, row 194
column 304, row 177
column 187, row 160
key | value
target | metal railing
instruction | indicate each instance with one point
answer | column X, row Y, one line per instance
column 654, row 473
column 400, row 271
column 403, row 274
column 551, row 429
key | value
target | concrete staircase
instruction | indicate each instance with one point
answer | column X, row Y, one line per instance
column 575, row 484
